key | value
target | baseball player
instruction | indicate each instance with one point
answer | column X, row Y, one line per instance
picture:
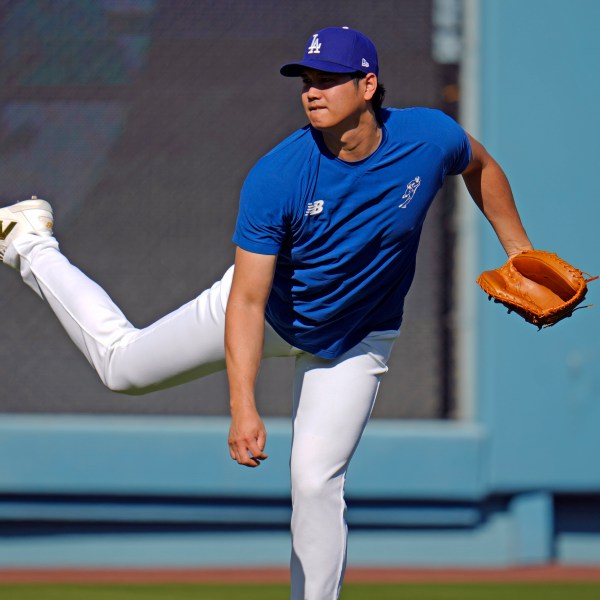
column 327, row 233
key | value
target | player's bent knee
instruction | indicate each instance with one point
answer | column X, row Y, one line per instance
column 124, row 388
column 121, row 384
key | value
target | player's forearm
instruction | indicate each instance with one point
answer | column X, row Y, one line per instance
column 243, row 347
column 244, row 337
column 245, row 324
column 491, row 192
column 489, row 187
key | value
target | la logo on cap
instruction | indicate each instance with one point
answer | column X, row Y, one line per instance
column 315, row 45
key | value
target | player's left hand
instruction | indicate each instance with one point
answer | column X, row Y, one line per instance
column 247, row 438
column 538, row 285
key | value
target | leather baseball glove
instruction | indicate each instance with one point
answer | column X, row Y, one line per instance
column 538, row 285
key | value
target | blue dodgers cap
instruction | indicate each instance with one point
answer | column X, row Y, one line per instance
column 336, row 50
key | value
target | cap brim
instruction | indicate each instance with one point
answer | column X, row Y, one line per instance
column 296, row 69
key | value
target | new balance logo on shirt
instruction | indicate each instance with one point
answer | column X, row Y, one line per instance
column 314, row 208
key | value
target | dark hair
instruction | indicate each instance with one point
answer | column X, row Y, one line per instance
column 378, row 96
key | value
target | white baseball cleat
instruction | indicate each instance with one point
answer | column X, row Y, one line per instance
column 30, row 216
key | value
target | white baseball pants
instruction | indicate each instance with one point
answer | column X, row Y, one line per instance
column 333, row 399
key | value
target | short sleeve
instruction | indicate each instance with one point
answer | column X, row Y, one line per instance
column 456, row 146
column 261, row 223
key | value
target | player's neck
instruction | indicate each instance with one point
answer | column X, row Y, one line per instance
column 356, row 141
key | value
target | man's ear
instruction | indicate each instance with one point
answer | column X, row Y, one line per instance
column 370, row 83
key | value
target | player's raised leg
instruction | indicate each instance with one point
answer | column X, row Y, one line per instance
column 186, row 344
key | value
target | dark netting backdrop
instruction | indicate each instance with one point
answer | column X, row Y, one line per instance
column 138, row 120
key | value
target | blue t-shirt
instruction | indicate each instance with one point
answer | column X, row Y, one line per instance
column 346, row 234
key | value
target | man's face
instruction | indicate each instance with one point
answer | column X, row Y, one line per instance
column 331, row 99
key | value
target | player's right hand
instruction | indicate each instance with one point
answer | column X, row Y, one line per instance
column 247, row 437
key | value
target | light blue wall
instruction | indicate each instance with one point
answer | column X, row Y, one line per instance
column 539, row 393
